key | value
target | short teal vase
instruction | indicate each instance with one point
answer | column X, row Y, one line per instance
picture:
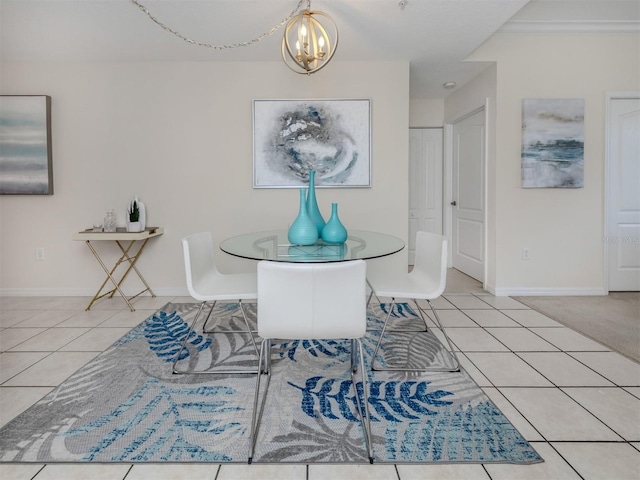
column 334, row 231
column 303, row 231
column 312, row 204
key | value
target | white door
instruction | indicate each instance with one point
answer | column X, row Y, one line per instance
column 623, row 194
column 425, row 183
column 468, row 194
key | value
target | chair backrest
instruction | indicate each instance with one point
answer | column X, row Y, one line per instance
column 321, row 300
column 431, row 260
column 198, row 259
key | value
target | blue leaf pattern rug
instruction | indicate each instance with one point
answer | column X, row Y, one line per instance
column 127, row 406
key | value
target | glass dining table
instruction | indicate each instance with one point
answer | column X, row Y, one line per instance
column 274, row 245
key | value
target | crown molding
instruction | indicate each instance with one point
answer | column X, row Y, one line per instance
column 578, row 27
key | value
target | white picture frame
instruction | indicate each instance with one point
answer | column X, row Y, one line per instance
column 330, row 136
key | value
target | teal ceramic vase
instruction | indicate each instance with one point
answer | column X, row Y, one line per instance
column 334, row 231
column 303, row 231
column 312, row 204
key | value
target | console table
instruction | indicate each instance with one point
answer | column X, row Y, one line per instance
column 129, row 255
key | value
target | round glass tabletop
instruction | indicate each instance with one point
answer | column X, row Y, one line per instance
column 274, row 245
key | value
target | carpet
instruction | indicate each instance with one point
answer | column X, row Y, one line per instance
column 127, row 406
column 612, row 320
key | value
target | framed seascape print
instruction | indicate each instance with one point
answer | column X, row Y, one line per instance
column 553, row 143
column 292, row 137
column 25, row 145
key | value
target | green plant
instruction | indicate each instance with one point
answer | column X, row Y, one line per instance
column 134, row 212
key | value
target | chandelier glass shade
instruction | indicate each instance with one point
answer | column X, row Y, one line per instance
column 309, row 42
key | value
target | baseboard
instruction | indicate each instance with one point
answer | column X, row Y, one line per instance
column 547, row 292
column 85, row 292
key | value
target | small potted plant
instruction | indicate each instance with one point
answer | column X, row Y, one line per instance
column 133, row 215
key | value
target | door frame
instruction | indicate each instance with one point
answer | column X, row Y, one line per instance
column 447, row 215
column 609, row 97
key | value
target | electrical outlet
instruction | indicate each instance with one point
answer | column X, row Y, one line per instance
column 40, row 254
column 525, row 254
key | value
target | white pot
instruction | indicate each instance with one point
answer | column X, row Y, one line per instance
column 134, row 227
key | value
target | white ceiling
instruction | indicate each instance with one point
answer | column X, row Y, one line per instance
column 435, row 36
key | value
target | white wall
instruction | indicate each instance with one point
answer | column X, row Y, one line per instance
column 563, row 228
column 426, row 113
column 179, row 135
column 479, row 93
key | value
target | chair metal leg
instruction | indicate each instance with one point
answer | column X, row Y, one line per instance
column 175, row 370
column 264, row 361
column 451, row 351
column 366, row 418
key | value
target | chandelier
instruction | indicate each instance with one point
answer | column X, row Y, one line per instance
column 309, row 42
column 310, row 38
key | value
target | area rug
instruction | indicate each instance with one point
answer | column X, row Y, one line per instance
column 127, row 405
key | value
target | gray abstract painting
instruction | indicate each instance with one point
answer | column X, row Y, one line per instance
column 553, row 143
column 292, row 137
column 25, row 145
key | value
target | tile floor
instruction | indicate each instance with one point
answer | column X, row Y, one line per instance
column 576, row 402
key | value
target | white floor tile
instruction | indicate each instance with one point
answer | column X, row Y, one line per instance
column 516, row 419
column 92, row 318
column 472, row 370
column 50, row 340
column 52, row 370
column 564, row 370
column 10, row 318
column 19, row 471
column 556, row 416
column 127, row 318
column 83, row 472
column 352, row 472
column 568, row 340
column 502, row 302
column 553, row 467
column 613, row 406
column 15, row 400
column 440, row 303
column 263, row 472
column 454, row 318
column 441, row 472
column 467, row 301
column 15, row 336
column 490, row 318
column 597, row 461
column 635, row 391
column 172, row 472
column 531, row 318
column 475, row 340
column 12, row 363
column 507, row 370
column 47, row 318
column 521, row 340
column 95, row 340
column 617, row 368
column 150, row 303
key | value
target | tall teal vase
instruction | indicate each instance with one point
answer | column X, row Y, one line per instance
column 312, row 204
column 334, row 231
column 303, row 231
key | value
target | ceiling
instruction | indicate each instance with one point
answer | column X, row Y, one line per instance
column 435, row 36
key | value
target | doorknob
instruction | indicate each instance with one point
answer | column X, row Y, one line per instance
column 454, row 203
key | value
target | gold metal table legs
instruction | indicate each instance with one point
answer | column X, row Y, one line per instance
column 125, row 257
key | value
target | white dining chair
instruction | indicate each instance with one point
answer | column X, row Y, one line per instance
column 312, row 301
column 426, row 281
column 207, row 285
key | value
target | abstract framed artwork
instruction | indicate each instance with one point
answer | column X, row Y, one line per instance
column 25, row 145
column 292, row 137
column 553, row 143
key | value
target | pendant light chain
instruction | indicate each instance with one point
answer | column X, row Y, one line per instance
column 219, row 47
